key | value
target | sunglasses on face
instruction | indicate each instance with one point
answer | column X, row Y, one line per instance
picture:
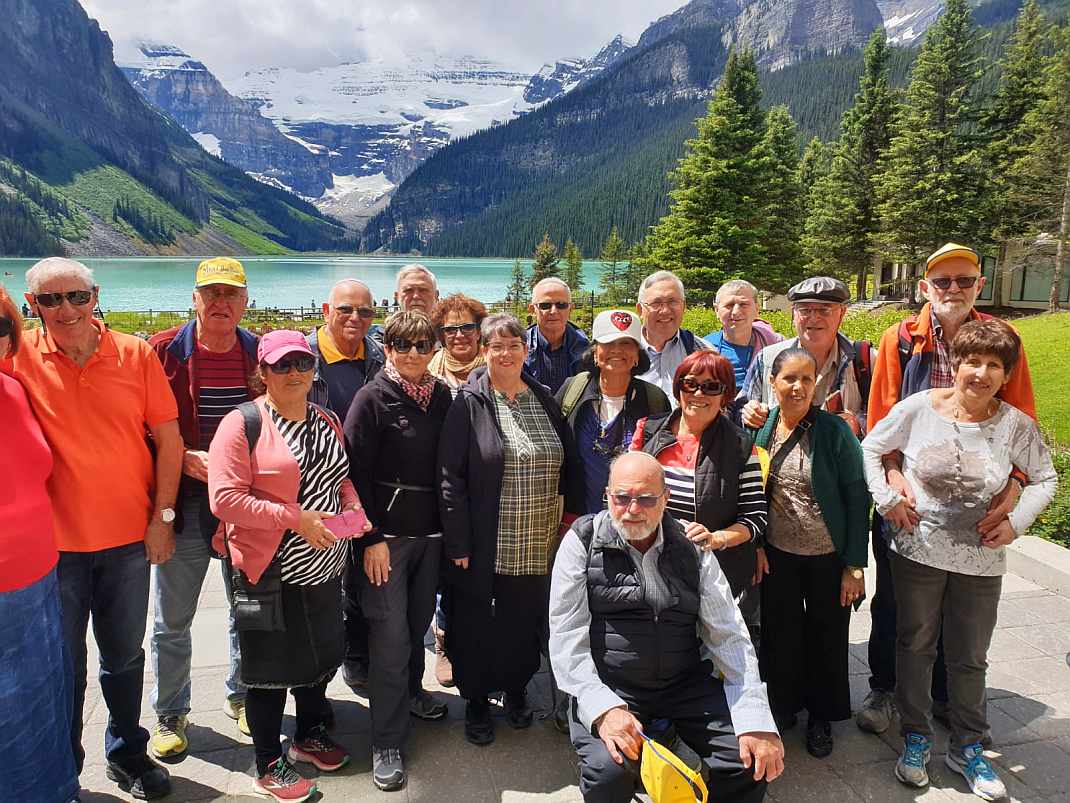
column 404, row 346
column 78, row 298
column 7, row 326
column 458, row 329
column 709, row 387
column 302, row 362
column 645, row 501
column 963, row 282
column 558, row 305
column 363, row 312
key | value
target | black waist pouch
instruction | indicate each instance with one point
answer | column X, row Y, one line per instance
column 258, row 606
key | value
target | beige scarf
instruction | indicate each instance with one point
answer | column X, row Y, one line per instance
column 445, row 367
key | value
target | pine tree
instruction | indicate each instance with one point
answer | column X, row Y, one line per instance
column 1045, row 169
column 573, row 266
column 816, row 162
column 517, row 289
column 716, row 227
column 842, row 220
column 930, row 188
column 614, row 253
column 784, row 202
column 546, row 260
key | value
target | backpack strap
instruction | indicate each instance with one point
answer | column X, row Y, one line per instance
column 250, row 414
column 573, row 391
column 863, row 367
column 905, row 342
column 687, row 337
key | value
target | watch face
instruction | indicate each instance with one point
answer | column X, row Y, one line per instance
column 167, row 515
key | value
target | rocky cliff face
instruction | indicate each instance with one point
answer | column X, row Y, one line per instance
column 555, row 80
column 906, row 20
column 228, row 127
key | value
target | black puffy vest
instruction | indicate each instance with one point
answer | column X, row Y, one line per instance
column 637, row 652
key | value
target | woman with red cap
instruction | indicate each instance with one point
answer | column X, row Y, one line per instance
column 277, row 471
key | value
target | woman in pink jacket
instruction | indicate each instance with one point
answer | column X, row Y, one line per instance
column 277, row 471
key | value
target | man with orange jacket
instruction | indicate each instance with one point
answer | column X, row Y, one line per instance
column 913, row 357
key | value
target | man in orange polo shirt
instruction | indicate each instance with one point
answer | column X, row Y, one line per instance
column 96, row 395
column 913, row 357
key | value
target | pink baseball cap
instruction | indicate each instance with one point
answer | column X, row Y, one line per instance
column 277, row 344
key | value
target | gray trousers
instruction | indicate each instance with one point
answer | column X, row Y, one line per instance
column 965, row 605
column 398, row 613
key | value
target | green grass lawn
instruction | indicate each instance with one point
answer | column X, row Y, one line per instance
column 1047, row 343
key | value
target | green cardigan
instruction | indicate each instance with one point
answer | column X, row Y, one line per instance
column 838, row 480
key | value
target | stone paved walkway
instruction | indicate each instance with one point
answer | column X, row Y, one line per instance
column 1029, row 710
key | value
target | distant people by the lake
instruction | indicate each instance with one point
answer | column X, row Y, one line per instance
column 209, row 363
column 742, row 334
column 661, row 307
column 555, row 345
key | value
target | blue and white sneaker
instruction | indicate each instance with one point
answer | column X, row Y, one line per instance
column 910, row 768
column 971, row 764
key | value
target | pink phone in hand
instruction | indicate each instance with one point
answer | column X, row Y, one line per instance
column 348, row 524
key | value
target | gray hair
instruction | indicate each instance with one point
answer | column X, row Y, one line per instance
column 661, row 276
column 57, row 268
column 551, row 281
column 501, row 324
column 415, row 267
column 735, row 286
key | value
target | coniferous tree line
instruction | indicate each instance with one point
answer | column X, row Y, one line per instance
column 22, row 233
column 16, row 177
column 148, row 224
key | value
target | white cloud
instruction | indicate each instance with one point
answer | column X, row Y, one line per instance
column 232, row 36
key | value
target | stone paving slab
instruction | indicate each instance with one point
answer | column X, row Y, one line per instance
column 1029, row 711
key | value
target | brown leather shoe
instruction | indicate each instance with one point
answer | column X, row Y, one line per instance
column 443, row 667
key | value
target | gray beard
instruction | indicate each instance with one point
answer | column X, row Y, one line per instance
column 634, row 531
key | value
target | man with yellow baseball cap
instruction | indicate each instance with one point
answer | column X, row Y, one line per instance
column 208, row 363
column 914, row 356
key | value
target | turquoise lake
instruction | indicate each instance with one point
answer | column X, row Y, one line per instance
column 165, row 283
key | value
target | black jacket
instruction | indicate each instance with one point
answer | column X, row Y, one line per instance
column 723, row 453
column 391, row 441
column 642, row 399
column 471, row 463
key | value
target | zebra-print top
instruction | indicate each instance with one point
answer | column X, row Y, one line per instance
column 322, row 459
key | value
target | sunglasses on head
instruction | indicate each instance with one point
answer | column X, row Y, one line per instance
column 460, row 328
column 709, row 387
column 78, row 298
column 645, row 501
column 363, row 312
column 944, row 282
column 302, row 362
column 561, row 305
column 404, row 346
column 7, row 326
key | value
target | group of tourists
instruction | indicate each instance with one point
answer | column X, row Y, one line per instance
column 679, row 524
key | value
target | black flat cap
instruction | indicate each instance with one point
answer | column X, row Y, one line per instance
column 820, row 288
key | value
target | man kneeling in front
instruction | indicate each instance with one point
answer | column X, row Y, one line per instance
column 645, row 636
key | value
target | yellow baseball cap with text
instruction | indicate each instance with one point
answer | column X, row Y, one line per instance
column 220, row 270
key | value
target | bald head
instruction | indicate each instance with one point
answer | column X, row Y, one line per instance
column 349, row 312
column 346, row 288
column 638, row 467
column 635, row 478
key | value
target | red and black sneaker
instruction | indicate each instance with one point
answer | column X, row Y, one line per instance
column 320, row 749
column 283, row 783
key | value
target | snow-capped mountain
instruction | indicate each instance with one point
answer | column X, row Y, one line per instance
column 906, row 20
column 554, row 80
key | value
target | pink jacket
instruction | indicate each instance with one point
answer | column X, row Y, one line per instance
column 255, row 496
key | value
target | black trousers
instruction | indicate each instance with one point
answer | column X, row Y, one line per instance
column 805, row 635
column 263, row 709
column 882, row 635
column 698, row 712
column 494, row 643
column 356, row 649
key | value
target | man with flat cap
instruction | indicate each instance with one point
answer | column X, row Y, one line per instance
column 914, row 357
column 208, row 363
column 818, row 306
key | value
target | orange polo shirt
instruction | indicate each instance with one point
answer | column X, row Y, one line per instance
column 95, row 419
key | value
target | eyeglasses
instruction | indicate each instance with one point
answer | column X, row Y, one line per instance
column 458, row 329
column 559, row 305
column 645, row 501
column 671, row 303
column 363, row 312
column 7, row 326
column 302, row 362
column 404, row 346
column 78, row 298
column 709, row 387
column 820, row 311
column 505, row 348
column 221, row 293
column 944, row 282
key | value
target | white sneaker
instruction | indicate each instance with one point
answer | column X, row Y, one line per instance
column 971, row 764
column 911, row 767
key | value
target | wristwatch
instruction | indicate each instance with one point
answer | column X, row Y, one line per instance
column 856, row 573
column 167, row 515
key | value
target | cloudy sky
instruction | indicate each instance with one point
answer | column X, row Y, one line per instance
column 232, row 36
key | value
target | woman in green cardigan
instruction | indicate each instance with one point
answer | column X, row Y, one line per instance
column 817, row 543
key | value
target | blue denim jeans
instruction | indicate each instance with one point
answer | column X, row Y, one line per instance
column 113, row 586
column 35, row 696
column 178, row 589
